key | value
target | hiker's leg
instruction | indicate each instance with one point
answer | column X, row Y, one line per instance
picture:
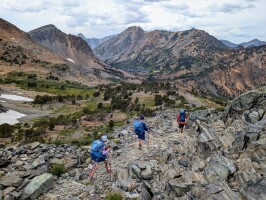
column 140, row 143
column 107, row 166
column 93, row 170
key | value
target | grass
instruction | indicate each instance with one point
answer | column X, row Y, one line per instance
column 49, row 86
column 114, row 196
column 67, row 132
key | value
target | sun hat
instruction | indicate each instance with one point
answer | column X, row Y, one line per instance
column 104, row 138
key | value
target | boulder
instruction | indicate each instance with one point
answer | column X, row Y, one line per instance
column 10, row 181
column 255, row 190
column 146, row 173
column 39, row 161
column 177, row 189
column 37, row 186
column 124, row 180
column 34, row 145
column 144, row 194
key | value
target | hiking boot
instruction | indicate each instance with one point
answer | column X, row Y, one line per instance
column 139, row 147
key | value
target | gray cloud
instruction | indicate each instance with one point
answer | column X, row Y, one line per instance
column 230, row 7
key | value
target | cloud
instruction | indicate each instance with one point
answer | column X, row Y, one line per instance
column 230, row 7
column 97, row 18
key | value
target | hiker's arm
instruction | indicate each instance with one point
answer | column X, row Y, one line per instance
column 178, row 118
column 106, row 150
column 145, row 127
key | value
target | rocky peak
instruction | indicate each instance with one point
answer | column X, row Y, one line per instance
column 81, row 36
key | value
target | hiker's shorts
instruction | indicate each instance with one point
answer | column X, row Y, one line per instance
column 141, row 136
column 98, row 157
column 181, row 125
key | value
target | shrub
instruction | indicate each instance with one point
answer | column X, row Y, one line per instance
column 111, row 124
column 6, row 130
column 96, row 94
column 114, row 196
column 100, row 105
column 57, row 169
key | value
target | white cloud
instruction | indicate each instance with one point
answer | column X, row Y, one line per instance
column 237, row 21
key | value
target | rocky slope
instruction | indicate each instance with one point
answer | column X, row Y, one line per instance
column 191, row 58
column 94, row 42
column 20, row 52
column 221, row 155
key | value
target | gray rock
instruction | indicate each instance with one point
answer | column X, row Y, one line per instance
column 125, row 181
column 135, row 170
column 178, row 189
column 124, row 132
column 37, row 186
column 58, row 155
column 256, row 190
column 10, row 181
column 183, row 162
column 113, row 145
column 8, row 190
column 34, row 145
column 146, row 173
column 38, row 162
column 144, row 194
column 212, row 189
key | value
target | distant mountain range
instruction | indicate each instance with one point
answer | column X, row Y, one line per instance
column 191, row 58
column 94, row 42
column 252, row 43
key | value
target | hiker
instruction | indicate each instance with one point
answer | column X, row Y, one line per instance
column 99, row 152
column 181, row 120
column 139, row 129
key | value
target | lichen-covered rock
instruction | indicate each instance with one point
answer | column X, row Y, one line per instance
column 38, row 185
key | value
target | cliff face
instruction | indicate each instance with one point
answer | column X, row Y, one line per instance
column 68, row 46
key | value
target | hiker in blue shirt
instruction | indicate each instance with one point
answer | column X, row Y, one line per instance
column 139, row 129
column 99, row 152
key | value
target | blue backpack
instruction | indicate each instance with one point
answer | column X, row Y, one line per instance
column 97, row 146
column 138, row 128
column 182, row 116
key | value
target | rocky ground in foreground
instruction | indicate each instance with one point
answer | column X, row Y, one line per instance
column 221, row 155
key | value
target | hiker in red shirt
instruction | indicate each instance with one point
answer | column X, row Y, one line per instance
column 181, row 120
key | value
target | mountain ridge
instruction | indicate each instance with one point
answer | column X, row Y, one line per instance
column 251, row 43
column 94, row 42
column 191, row 58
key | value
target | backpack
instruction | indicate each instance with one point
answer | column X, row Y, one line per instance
column 138, row 128
column 97, row 145
column 182, row 116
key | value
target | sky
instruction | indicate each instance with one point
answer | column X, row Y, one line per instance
column 234, row 20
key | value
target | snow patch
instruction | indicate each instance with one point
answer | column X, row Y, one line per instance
column 15, row 97
column 69, row 59
column 10, row 117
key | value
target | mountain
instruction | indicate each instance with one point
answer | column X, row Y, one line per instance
column 154, row 50
column 250, row 44
column 192, row 59
column 52, row 53
column 94, row 42
column 75, row 50
column 229, row 44
column 253, row 43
